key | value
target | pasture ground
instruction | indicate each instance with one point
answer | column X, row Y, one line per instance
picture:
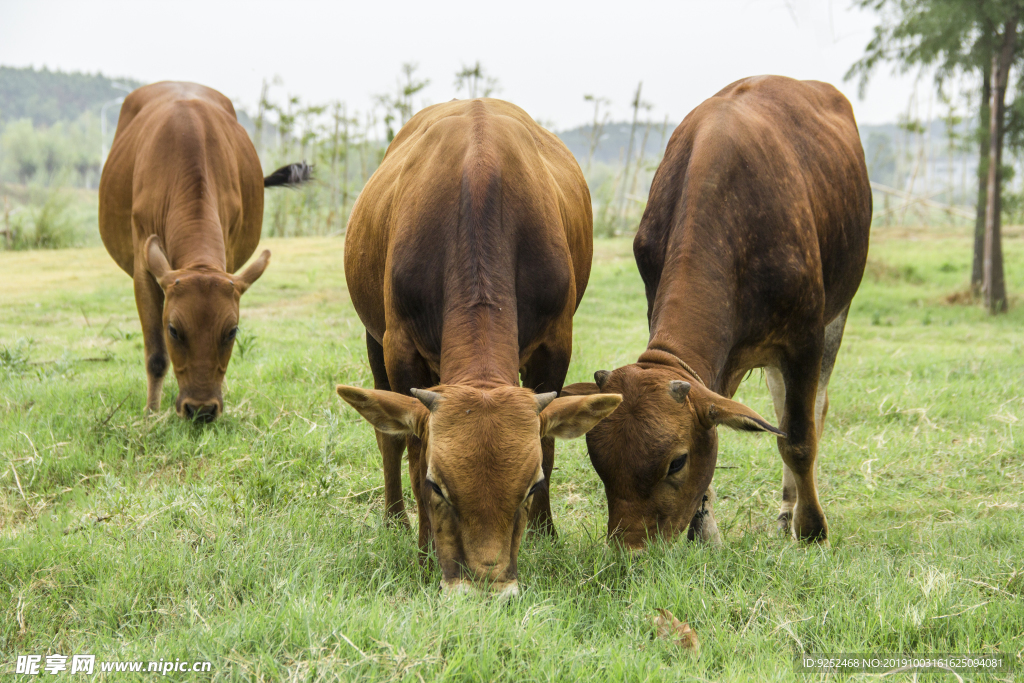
column 257, row 543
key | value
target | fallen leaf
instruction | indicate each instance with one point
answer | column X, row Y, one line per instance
column 666, row 626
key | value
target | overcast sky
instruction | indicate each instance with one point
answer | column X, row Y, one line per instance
column 546, row 54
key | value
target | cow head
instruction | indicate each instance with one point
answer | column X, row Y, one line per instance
column 656, row 454
column 480, row 466
column 200, row 321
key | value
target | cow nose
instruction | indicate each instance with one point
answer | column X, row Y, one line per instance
column 201, row 412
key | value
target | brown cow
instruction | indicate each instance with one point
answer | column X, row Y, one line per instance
column 181, row 208
column 466, row 256
column 752, row 245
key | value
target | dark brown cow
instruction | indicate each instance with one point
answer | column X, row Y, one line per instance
column 181, row 208
column 751, row 247
column 466, row 256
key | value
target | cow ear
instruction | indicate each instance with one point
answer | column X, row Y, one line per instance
column 573, row 416
column 580, row 389
column 244, row 280
column 156, row 262
column 387, row 411
column 718, row 410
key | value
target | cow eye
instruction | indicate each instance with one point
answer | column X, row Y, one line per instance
column 677, row 464
column 437, row 489
column 173, row 331
column 232, row 333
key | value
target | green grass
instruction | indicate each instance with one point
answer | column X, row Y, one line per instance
column 257, row 543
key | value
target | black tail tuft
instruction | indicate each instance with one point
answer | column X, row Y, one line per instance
column 289, row 176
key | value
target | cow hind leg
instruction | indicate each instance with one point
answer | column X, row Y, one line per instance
column 833, row 338
column 798, row 448
column 149, row 300
column 777, row 387
column 545, row 372
column 391, row 447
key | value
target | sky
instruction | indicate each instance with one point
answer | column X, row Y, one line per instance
column 546, row 54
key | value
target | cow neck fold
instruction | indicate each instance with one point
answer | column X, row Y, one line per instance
column 693, row 314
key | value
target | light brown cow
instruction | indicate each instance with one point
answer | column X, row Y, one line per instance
column 752, row 245
column 466, row 256
column 181, row 209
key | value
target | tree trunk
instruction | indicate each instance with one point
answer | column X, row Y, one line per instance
column 993, row 284
column 984, row 121
column 629, row 156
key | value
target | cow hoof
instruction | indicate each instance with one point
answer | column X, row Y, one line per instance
column 397, row 520
column 783, row 522
column 811, row 532
column 818, row 537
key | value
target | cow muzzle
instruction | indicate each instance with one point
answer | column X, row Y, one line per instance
column 200, row 411
column 630, row 524
column 633, row 542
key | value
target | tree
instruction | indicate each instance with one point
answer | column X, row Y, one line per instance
column 400, row 105
column 993, row 283
column 476, row 81
column 597, row 127
column 973, row 38
column 637, row 104
column 408, row 89
column 21, row 145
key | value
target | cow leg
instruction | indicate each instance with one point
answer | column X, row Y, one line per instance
column 800, row 372
column 544, row 372
column 777, row 387
column 833, row 340
column 417, row 473
column 149, row 300
column 391, row 447
column 407, row 370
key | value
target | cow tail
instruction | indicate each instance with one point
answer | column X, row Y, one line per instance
column 290, row 175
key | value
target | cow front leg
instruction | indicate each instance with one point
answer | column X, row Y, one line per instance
column 540, row 518
column 417, row 475
column 545, row 372
column 406, row 370
column 391, row 447
column 149, row 300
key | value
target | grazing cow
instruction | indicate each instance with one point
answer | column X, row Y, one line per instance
column 181, row 208
column 752, row 245
column 466, row 256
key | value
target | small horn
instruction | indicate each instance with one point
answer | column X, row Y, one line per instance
column 679, row 390
column 601, row 376
column 428, row 398
column 543, row 400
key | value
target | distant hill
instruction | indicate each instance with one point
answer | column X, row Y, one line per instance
column 611, row 149
column 50, row 96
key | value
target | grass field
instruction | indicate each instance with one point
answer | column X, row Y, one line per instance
column 257, row 543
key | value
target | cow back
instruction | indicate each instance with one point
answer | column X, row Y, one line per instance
column 474, row 205
column 763, row 193
column 179, row 163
